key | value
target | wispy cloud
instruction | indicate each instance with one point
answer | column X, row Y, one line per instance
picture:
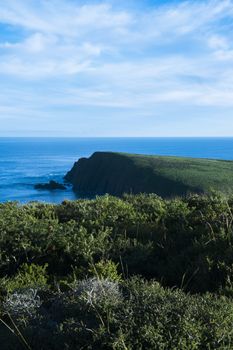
column 71, row 54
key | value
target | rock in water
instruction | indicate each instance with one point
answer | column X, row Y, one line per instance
column 52, row 185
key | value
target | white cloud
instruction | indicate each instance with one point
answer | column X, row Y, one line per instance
column 113, row 57
column 61, row 17
column 218, row 42
column 34, row 43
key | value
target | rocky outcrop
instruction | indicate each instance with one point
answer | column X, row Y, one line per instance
column 51, row 186
column 116, row 173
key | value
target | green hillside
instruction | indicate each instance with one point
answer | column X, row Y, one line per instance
column 118, row 173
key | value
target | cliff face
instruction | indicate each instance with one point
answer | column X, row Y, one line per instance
column 116, row 173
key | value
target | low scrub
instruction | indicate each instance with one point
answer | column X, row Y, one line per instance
column 69, row 273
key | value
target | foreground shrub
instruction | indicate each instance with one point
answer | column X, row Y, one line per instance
column 28, row 276
column 95, row 290
column 106, row 269
column 134, row 315
column 22, row 302
column 67, row 273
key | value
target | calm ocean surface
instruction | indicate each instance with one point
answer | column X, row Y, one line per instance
column 26, row 161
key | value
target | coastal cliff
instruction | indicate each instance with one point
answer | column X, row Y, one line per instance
column 118, row 173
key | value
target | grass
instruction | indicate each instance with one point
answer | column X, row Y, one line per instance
column 118, row 173
column 202, row 173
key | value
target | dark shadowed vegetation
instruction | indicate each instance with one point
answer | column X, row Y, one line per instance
column 118, row 173
column 138, row 272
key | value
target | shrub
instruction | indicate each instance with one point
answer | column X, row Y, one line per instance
column 94, row 290
column 28, row 276
column 106, row 269
column 65, row 263
column 22, row 302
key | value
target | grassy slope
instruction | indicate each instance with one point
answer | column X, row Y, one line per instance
column 117, row 173
column 201, row 173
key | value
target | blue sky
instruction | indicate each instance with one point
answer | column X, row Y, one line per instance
column 116, row 68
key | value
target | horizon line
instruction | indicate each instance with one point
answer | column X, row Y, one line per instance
column 110, row 137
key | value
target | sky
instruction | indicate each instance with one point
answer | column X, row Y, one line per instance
column 77, row 68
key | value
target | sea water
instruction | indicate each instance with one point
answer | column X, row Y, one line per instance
column 27, row 161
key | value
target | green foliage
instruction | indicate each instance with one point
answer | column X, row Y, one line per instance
column 106, row 269
column 28, row 276
column 166, row 176
column 182, row 242
column 76, row 263
column 133, row 315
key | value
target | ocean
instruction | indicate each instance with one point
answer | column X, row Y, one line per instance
column 27, row 161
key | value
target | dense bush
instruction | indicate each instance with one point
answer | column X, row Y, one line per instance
column 75, row 264
column 133, row 315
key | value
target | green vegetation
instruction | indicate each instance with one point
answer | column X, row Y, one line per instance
column 118, row 173
column 138, row 272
